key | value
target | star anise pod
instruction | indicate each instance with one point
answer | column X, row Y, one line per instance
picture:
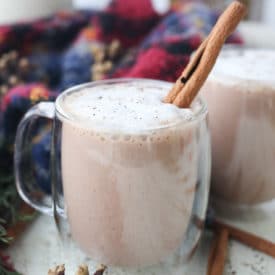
column 58, row 270
column 82, row 270
column 100, row 270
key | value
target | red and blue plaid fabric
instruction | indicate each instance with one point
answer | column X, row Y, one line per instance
column 156, row 46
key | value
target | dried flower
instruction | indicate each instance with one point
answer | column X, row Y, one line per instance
column 104, row 58
column 13, row 71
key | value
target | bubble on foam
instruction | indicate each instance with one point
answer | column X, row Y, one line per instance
column 124, row 108
column 235, row 65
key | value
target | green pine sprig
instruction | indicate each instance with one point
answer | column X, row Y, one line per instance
column 8, row 201
column 3, row 233
column 4, row 271
column 9, row 198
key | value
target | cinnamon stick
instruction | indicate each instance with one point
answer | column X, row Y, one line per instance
column 216, row 264
column 247, row 238
column 197, row 71
column 187, row 72
column 212, row 253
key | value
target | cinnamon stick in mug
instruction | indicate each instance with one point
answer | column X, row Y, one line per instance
column 191, row 80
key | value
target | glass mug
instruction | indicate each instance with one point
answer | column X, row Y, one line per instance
column 241, row 97
column 130, row 199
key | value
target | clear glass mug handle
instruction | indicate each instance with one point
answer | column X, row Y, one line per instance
column 25, row 182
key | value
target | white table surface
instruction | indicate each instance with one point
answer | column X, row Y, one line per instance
column 40, row 248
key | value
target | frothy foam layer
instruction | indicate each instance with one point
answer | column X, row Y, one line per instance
column 124, row 107
column 237, row 64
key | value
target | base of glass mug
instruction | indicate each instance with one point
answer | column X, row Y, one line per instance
column 242, row 212
column 177, row 263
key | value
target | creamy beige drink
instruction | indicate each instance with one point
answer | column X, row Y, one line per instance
column 240, row 93
column 129, row 170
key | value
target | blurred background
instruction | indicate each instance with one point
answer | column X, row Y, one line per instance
column 258, row 30
column 262, row 10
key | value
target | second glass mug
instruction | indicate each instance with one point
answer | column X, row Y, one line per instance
column 124, row 203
